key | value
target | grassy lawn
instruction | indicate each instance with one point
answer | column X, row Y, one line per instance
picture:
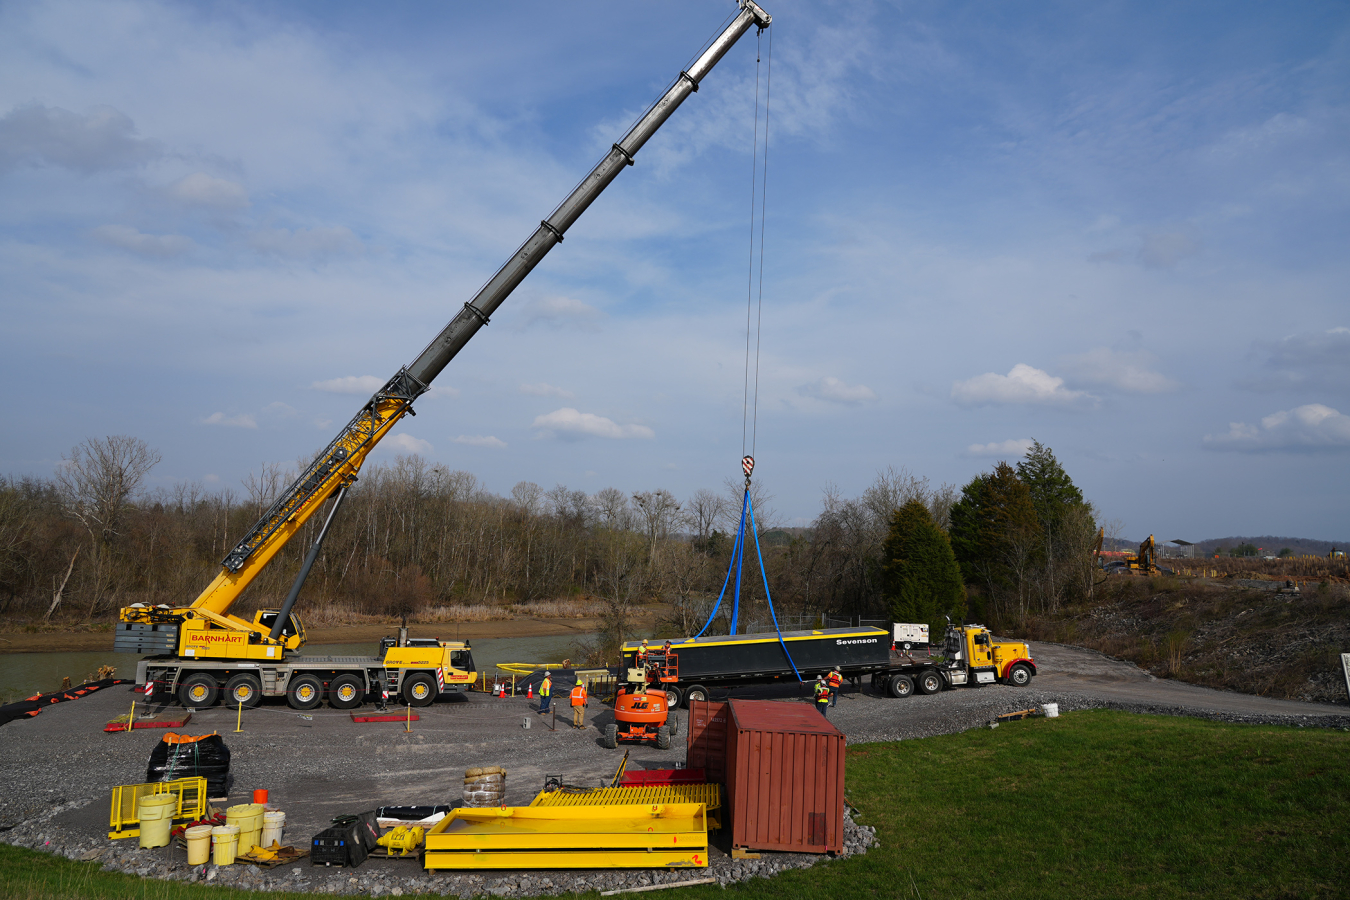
column 1092, row 804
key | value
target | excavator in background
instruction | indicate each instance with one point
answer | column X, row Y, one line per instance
column 1145, row 561
column 201, row 651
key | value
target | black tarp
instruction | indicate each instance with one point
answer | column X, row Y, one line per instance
column 206, row 757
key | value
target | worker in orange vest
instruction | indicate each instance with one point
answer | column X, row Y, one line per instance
column 579, row 704
column 834, row 680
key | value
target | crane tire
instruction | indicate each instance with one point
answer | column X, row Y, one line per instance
column 900, row 686
column 198, row 691
column 243, row 690
column 930, row 682
column 304, row 692
column 419, row 689
column 346, row 691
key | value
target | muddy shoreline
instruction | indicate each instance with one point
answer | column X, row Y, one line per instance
column 79, row 641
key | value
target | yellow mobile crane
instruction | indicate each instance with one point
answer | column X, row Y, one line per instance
column 202, row 650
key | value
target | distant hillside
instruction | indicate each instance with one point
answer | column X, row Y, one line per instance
column 1270, row 545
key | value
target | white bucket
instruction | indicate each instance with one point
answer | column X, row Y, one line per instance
column 274, row 820
column 1051, row 710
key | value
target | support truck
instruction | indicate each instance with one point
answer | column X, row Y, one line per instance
column 898, row 662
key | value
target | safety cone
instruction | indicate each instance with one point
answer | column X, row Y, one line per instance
column 529, row 692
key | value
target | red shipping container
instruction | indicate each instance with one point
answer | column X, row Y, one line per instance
column 783, row 766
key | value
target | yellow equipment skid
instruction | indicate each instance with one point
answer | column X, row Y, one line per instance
column 670, row 835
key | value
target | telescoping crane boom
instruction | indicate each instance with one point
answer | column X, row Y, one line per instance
column 206, row 629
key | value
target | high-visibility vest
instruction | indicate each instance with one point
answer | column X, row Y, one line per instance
column 642, row 654
column 834, row 679
column 545, row 686
column 822, row 692
column 579, row 695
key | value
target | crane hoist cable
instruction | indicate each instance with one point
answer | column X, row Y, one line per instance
column 754, row 304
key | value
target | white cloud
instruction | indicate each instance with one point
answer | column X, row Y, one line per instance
column 437, row 391
column 206, row 190
column 1163, row 250
column 480, row 440
column 561, row 312
column 546, row 390
column 124, row 237
column 1013, row 447
column 835, row 391
column 569, row 423
column 1309, row 427
column 307, row 243
column 243, row 420
column 103, row 139
column 1125, row 370
column 1022, row 384
column 408, row 444
column 350, row 384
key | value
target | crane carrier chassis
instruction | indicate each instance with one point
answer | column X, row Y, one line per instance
column 895, row 663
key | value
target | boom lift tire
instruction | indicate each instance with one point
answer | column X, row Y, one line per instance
column 900, row 686
column 611, row 736
column 673, row 696
column 673, row 722
column 244, row 690
column 695, row 692
column 663, row 738
column 304, row 692
column 419, row 689
column 930, row 682
column 198, row 691
column 345, row 692
column 1019, row 676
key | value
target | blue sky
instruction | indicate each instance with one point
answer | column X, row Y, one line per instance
column 1120, row 229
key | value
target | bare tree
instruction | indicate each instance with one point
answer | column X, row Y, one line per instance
column 97, row 482
column 529, row 497
column 612, row 508
column 705, row 510
column 659, row 514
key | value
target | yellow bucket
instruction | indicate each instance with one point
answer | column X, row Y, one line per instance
column 226, row 839
column 155, row 813
column 198, row 844
column 247, row 817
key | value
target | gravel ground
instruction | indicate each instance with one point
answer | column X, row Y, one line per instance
column 58, row 768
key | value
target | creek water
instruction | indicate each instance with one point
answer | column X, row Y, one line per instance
column 25, row 674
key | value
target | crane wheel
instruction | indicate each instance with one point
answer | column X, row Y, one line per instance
column 930, row 682
column 243, row 690
column 304, row 692
column 346, row 692
column 419, row 689
column 198, row 691
column 1019, row 676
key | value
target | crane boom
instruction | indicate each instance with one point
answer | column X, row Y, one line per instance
column 337, row 466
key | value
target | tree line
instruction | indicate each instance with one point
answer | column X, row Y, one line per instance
column 414, row 537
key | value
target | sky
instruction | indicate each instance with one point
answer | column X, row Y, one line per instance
column 1116, row 228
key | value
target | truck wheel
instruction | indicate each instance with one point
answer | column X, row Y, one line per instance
column 198, row 691
column 1019, row 676
column 673, row 696
column 900, row 686
column 696, row 693
column 304, row 692
column 663, row 738
column 243, row 689
column 419, row 689
column 611, row 736
column 346, row 692
column 930, row 682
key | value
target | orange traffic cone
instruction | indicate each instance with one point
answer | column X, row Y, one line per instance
column 529, row 691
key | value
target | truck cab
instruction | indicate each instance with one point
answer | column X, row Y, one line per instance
column 421, row 669
column 976, row 658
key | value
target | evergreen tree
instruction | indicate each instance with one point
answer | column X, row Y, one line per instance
column 1052, row 490
column 921, row 578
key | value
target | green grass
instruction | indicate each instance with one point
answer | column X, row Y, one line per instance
column 1092, row 804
